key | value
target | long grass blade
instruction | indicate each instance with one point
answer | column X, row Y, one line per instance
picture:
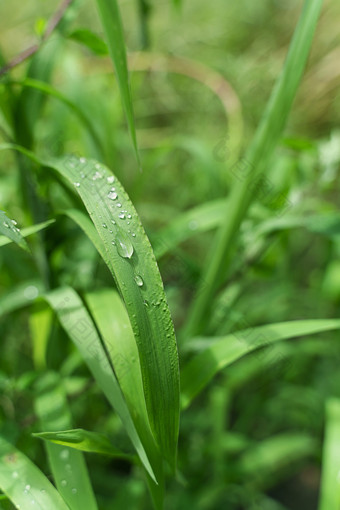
column 111, row 20
column 223, row 351
column 251, row 167
column 67, row 465
column 78, row 324
column 132, row 263
column 330, row 486
column 23, row 483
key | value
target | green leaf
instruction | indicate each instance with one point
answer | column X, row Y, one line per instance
column 131, row 260
column 111, row 21
column 85, row 441
column 90, row 40
column 25, row 232
column 330, row 486
column 114, row 326
column 67, row 465
column 133, row 265
column 223, row 351
column 11, row 232
column 249, row 169
column 78, row 324
column 23, row 482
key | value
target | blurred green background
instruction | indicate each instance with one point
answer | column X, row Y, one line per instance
column 253, row 439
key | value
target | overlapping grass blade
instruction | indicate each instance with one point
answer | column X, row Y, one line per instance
column 330, row 487
column 84, row 441
column 223, row 351
column 111, row 20
column 133, row 265
column 23, row 483
column 11, row 232
column 68, row 465
column 249, row 170
column 78, row 324
column 114, row 326
column 28, row 231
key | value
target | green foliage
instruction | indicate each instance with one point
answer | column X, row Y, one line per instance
column 238, row 197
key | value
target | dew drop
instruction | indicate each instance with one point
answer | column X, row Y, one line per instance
column 113, row 222
column 31, row 292
column 14, row 222
column 112, row 195
column 124, row 245
column 43, row 491
column 139, row 280
column 146, row 303
column 110, row 179
column 119, row 205
column 111, row 231
column 129, row 216
column 76, row 184
column 82, row 160
column 122, row 216
column 63, row 483
column 97, row 165
column 104, row 225
column 96, row 176
column 6, row 224
column 64, row 454
column 74, row 490
column 15, row 474
column 133, row 234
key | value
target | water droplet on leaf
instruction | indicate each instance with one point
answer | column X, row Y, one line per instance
column 124, row 245
column 139, row 280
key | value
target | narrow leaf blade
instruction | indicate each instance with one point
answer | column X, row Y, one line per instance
column 224, row 351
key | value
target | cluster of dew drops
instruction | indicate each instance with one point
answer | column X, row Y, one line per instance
column 122, row 242
column 12, row 225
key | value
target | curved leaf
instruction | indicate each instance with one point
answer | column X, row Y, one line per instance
column 28, row 231
column 224, row 351
column 131, row 260
column 11, row 232
column 78, row 324
column 23, row 483
column 84, row 441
